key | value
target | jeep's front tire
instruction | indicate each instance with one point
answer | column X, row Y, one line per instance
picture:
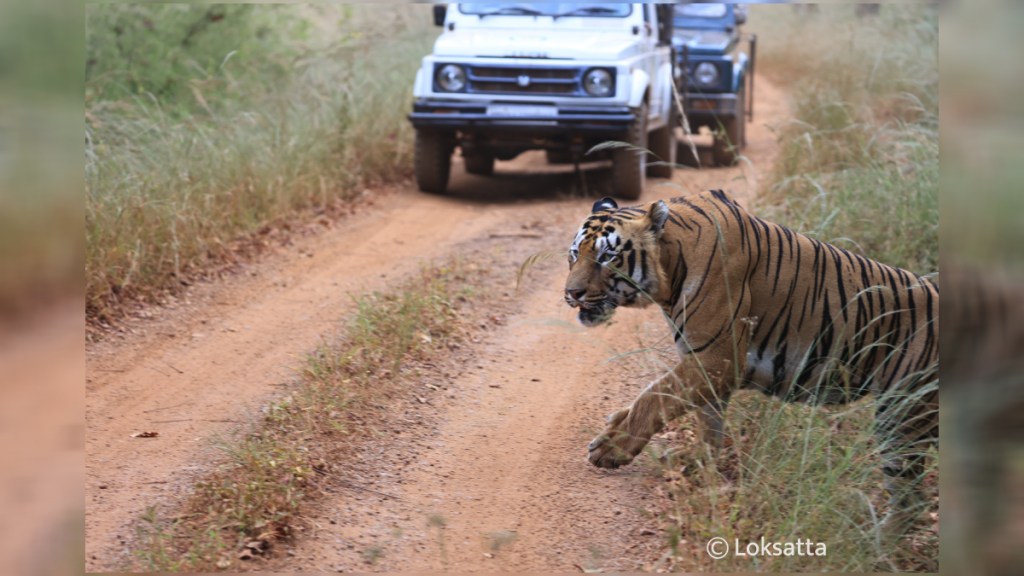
column 733, row 136
column 481, row 164
column 663, row 146
column 433, row 160
column 629, row 164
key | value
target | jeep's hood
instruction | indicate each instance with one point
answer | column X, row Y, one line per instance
column 702, row 40
column 520, row 43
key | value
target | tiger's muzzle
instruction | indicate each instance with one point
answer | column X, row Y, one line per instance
column 592, row 311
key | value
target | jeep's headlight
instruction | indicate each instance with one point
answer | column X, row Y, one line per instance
column 451, row 78
column 598, row 82
column 706, row 74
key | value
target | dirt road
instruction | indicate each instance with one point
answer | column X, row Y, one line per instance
column 492, row 474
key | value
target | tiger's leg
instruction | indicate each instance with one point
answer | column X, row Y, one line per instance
column 905, row 428
column 903, row 474
column 698, row 380
column 712, row 428
column 712, row 420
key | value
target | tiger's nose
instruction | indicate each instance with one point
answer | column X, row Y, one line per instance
column 575, row 294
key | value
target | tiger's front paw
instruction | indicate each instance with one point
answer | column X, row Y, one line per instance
column 615, row 446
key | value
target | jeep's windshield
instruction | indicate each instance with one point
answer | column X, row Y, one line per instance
column 556, row 9
column 704, row 16
column 700, row 10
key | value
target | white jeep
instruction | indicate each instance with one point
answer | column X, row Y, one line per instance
column 507, row 77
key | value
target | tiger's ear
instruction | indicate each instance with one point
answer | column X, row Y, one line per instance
column 658, row 214
column 605, row 203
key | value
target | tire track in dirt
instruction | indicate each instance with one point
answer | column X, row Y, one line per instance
column 195, row 379
column 500, row 482
column 494, row 460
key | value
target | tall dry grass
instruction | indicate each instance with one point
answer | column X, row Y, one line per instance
column 204, row 123
column 859, row 164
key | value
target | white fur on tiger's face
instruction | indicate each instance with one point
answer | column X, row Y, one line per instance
column 613, row 262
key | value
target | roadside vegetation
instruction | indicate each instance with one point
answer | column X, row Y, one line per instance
column 858, row 167
column 206, row 123
column 256, row 498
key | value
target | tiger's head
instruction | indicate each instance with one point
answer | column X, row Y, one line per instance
column 613, row 261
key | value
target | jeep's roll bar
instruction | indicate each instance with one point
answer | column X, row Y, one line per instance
column 665, row 23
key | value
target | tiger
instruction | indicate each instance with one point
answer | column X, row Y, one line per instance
column 753, row 304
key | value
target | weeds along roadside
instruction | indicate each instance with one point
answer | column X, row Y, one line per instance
column 859, row 161
column 256, row 498
column 858, row 168
column 206, row 123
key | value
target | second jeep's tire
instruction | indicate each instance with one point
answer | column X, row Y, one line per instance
column 727, row 145
column 433, row 160
column 629, row 164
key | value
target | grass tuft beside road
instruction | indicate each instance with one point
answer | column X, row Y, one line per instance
column 256, row 498
column 205, row 123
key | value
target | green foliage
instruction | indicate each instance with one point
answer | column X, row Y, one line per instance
column 163, row 49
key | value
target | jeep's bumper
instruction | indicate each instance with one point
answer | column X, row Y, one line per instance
column 702, row 107
column 537, row 119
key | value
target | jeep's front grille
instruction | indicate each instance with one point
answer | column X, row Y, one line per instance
column 516, row 80
column 537, row 73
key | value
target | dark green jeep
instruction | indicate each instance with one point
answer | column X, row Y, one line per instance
column 715, row 75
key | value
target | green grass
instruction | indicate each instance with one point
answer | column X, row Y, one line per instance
column 204, row 124
column 272, row 474
column 859, row 161
column 858, row 167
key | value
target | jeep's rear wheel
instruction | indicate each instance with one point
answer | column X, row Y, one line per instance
column 481, row 164
column 733, row 136
column 433, row 162
column 629, row 164
column 663, row 147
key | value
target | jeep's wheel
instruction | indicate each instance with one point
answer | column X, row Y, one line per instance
column 629, row 164
column 732, row 138
column 663, row 147
column 687, row 154
column 481, row 164
column 433, row 162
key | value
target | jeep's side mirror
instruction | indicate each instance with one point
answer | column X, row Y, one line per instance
column 439, row 12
